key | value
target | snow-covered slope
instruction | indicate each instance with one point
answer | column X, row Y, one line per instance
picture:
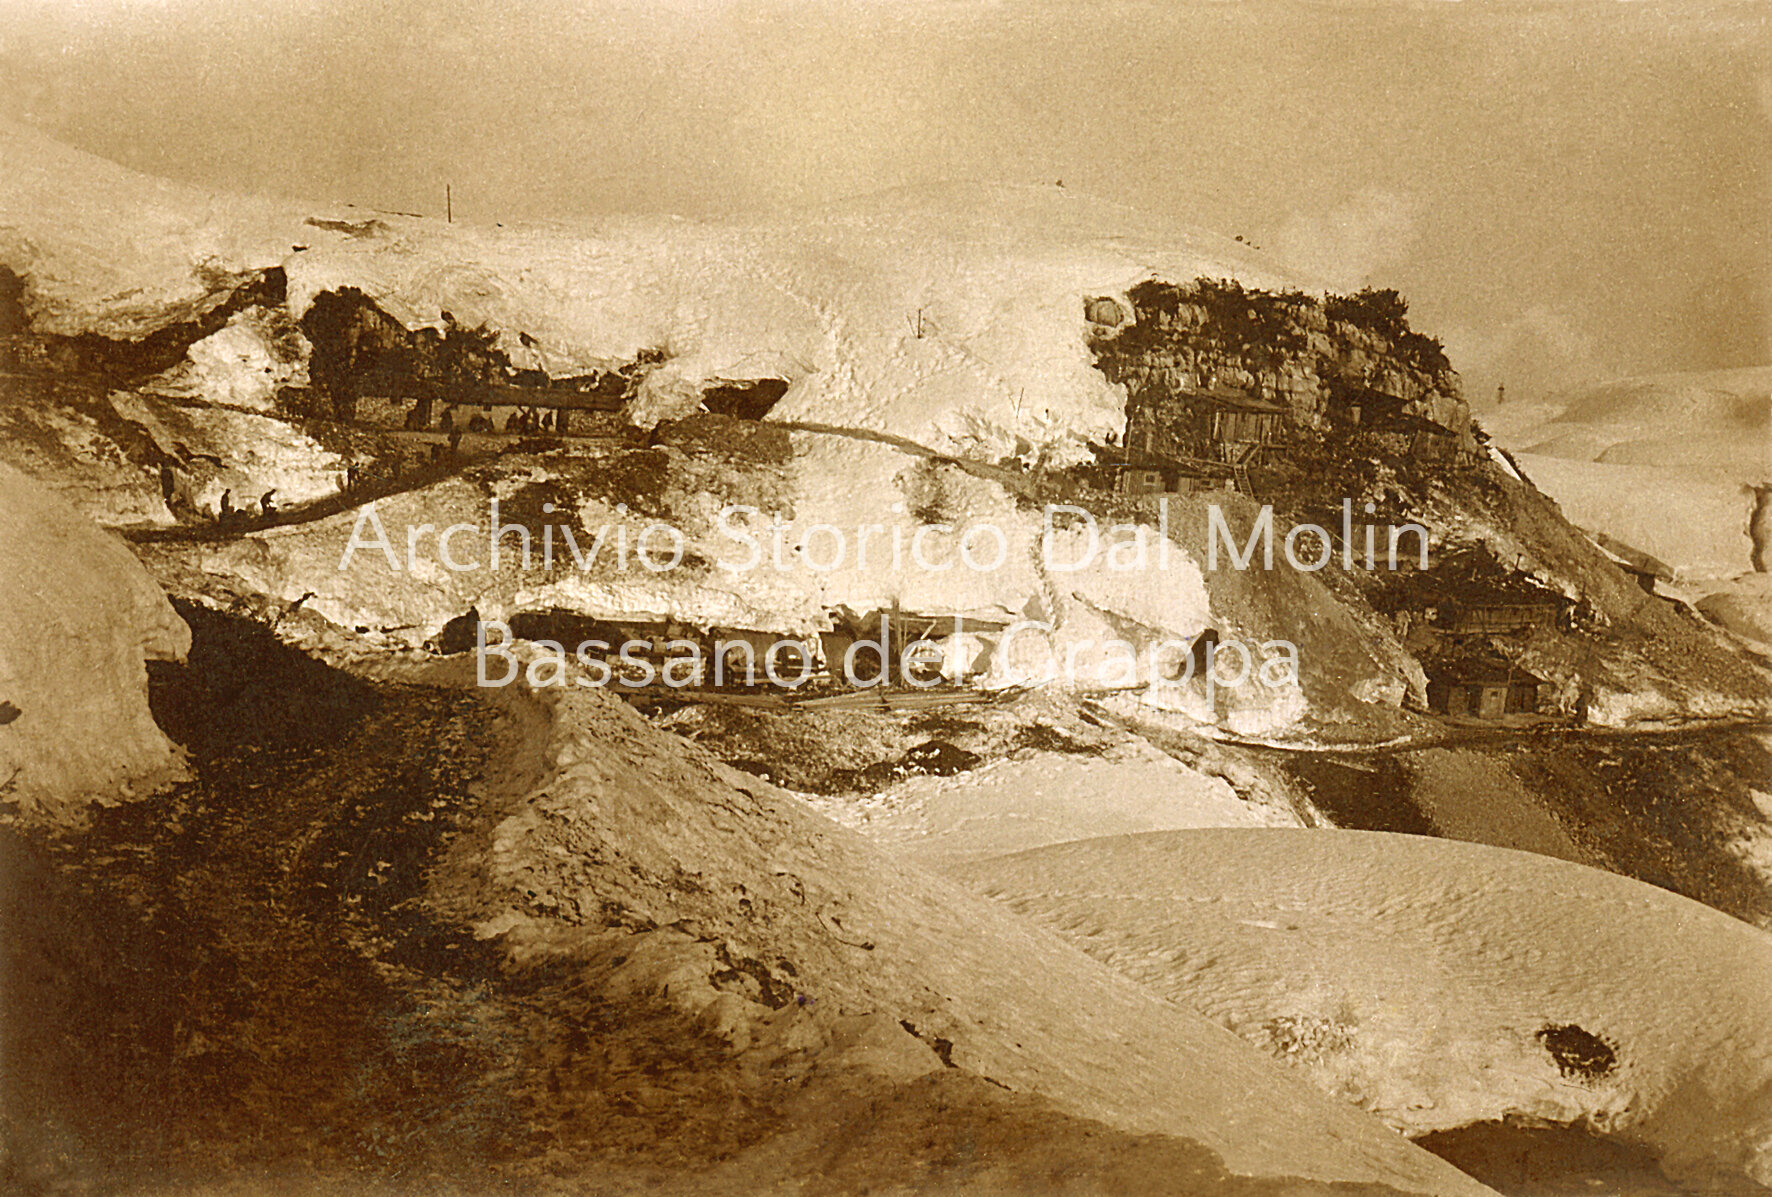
column 1436, row 983
column 1695, row 519
column 1665, row 463
column 1719, row 420
column 78, row 616
column 951, row 313
column 907, row 326
column 107, row 250
column 607, row 820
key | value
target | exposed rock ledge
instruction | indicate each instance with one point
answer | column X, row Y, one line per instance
column 79, row 616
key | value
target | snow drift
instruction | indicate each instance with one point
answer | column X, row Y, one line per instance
column 78, row 617
column 608, row 821
column 1437, row 983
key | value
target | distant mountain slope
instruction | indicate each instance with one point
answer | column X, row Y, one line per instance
column 1719, row 420
column 1666, row 463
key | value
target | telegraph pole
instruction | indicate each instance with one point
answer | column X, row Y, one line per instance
column 448, row 205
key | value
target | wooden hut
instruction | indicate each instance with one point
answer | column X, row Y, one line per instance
column 1486, row 688
column 1145, row 476
column 1385, row 421
column 1217, row 425
column 1498, row 614
column 1234, row 427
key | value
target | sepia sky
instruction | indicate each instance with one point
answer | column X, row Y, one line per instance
column 1563, row 190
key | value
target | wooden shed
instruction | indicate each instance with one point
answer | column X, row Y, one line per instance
column 1140, row 475
column 1482, row 688
column 1235, row 427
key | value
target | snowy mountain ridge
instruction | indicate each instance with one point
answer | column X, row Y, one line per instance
column 949, row 314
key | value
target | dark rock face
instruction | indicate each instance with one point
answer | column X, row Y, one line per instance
column 1215, row 372
column 746, row 400
column 164, row 348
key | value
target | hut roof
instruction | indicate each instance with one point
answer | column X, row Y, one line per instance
column 1123, row 458
column 1479, row 671
column 1231, row 399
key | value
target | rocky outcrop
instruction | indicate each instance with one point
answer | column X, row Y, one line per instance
column 1286, row 345
column 78, row 618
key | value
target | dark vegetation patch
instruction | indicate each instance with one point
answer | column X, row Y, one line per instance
column 536, row 506
column 1221, row 314
column 1386, row 313
column 554, row 504
column 935, row 492
column 639, row 478
column 1581, row 1055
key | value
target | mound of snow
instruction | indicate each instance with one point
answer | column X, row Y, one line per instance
column 1047, row 798
column 78, row 616
column 1438, row 983
column 104, row 249
column 615, row 821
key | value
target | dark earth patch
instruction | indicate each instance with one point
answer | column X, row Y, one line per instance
column 1554, row 1161
column 1372, row 796
column 1580, row 1055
